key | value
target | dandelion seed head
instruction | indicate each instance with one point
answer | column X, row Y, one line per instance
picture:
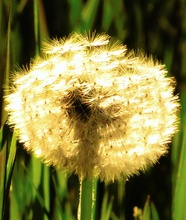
column 90, row 107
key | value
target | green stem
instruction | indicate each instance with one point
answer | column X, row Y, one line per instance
column 87, row 201
column 36, row 26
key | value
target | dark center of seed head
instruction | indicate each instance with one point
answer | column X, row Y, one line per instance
column 80, row 110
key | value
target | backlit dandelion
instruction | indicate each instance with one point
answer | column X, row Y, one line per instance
column 90, row 107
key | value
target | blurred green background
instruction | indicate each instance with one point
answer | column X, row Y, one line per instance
column 30, row 190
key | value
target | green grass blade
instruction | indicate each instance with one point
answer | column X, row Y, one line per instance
column 59, row 197
column 107, row 15
column 11, row 158
column 36, row 26
column 5, row 170
column 2, row 172
column 10, row 165
column 106, row 207
column 180, row 190
column 43, row 29
column 40, row 25
column 7, row 64
column 119, row 18
column 149, row 211
column 21, row 193
column 7, row 160
column 175, row 154
column 35, row 170
column 36, row 194
column 60, row 185
column 75, row 12
column 89, row 13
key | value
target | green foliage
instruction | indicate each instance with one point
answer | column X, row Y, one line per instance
column 106, row 207
column 180, row 182
column 149, row 211
column 30, row 190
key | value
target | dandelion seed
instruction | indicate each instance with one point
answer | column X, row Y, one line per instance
column 90, row 107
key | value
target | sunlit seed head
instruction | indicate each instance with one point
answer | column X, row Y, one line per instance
column 90, row 107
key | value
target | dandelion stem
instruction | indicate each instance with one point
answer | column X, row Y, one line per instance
column 87, row 200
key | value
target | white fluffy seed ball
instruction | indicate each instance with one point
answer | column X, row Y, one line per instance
column 90, row 107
